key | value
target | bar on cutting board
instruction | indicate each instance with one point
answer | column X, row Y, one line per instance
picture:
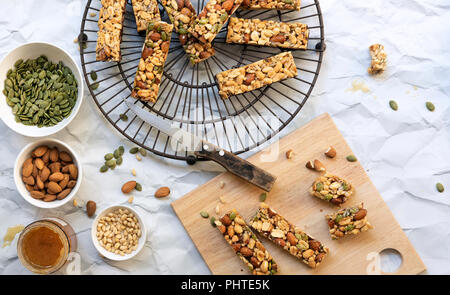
column 182, row 14
column 271, row 4
column 274, row 227
column 267, row 33
column 145, row 12
column 245, row 244
column 212, row 18
column 151, row 64
column 348, row 221
column 332, row 188
column 110, row 27
column 256, row 75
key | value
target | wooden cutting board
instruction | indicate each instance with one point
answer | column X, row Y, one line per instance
column 290, row 198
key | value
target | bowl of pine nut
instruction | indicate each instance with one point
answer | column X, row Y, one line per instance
column 118, row 232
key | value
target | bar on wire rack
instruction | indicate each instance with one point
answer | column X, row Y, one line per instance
column 271, row 4
column 145, row 12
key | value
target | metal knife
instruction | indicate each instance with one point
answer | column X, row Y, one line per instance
column 204, row 149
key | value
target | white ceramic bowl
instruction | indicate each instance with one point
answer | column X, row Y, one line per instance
column 34, row 50
column 25, row 153
column 110, row 255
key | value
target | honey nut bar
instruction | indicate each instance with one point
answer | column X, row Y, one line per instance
column 379, row 59
column 110, row 27
column 151, row 64
column 267, row 33
column 210, row 21
column 145, row 12
column 271, row 4
column 274, row 227
column 256, row 75
column 246, row 245
column 182, row 14
column 348, row 221
column 332, row 189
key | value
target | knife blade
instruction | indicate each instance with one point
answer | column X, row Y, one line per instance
column 201, row 148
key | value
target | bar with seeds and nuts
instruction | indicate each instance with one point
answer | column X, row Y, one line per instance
column 145, row 12
column 331, row 188
column 256, row 75
column 271, row 4
column 245, row 244
column 267, row 33
column 379, row 59
column 274, row 227
column 348, row 221
column 182, row 14
column 110, row 27
column 210, row 21
column 151, row 64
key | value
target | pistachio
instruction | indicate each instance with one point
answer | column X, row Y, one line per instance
column 232, row 215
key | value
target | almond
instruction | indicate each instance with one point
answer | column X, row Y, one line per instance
column 318, row 166
column 63, row 194
column 246, row 252
column 310, row 165
column 279, row 242
column 63, row 183
column 64, row 156
column 39, row 163
column 28, row 180
column 46, row 156
column 331, row 223
column 227, row 5
column 53, row 188
column 27, row 168
column 162, row 192
column 54, row 155
column 128, row 186
column 71, row 184
column 360, row 214
column 35, row 172
column 330, row 152
column 291, row 239
column 255, row 262
column 49, row 198
column 37, row 194
column 56, row 177
column 313, row 244
column 337, row 201
column 236, row 247
column 155, row 36
column 39, row 183
column 320, row 256
column 29, row 187
column 55, row 167
column 40, row 151
column 45, row 173
column 278, row 39
column 91, row 206
column 73, row 171
column 225, row 220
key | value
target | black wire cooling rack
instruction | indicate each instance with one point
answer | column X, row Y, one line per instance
column 188, row 95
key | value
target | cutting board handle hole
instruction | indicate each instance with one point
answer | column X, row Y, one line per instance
column 390, row 260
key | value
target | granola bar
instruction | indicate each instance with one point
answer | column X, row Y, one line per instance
column 110, row 27
column 348, row 221
column 379, row 59
column 267, row 33
column 246, row 245
column 210, row 21
column 274, row 227
column 332, row 189
column 256, row 75
column 145, row 12
column 151, row 64
column 182, row 14
column 271, row 4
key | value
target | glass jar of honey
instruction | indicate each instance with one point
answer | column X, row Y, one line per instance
column 44, row 245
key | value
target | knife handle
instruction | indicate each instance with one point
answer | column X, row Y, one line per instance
column 237, row 166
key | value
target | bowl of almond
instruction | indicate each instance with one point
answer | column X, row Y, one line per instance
column 47, row 173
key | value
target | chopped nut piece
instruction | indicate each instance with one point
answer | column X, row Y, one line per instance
column 246, row 245
column 332, row 189
column 133, row 172
column 268, row 33
column 110, row 27
column 271, row 4
column 222, row 184
column 256, row 75
column 130, row 199
column 348, row 221
column 379, row 59
column 286, row 235
column 330, row 152
column 145, row 12
column 289, row 154
column 318, row 166
column 310, row 165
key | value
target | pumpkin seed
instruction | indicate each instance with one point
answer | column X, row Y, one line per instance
column 121, row 150
column 204, row 214
column 109, row 157
column 138, row 187
column 93, row 75
column 111, row 163
column 430, row 106
column 262, row 197
column 103, row 169
column 123, row 117
column 143, row 152
column 393, row 104
column 223, row 17
column 213, row 221
column 440, row 187
column 134, row 150
column 319, row 186
column 95, row 86
column 119, row 161
column 351, row 158
column 232, row 215
column 116, row 154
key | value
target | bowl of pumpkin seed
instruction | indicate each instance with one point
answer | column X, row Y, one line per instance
column 41, row 89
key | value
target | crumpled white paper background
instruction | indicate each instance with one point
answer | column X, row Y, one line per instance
column 405, row 152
